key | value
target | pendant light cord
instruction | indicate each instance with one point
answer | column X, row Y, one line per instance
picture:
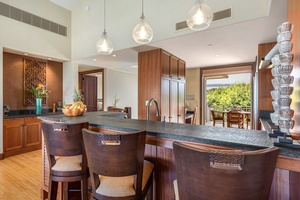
column 104, row 16
column 143, row 9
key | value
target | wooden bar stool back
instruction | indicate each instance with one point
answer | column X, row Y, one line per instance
column 214, row 174
column 66, row 156
column 117, row 166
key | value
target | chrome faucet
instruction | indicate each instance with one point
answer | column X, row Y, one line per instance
column 148, row 108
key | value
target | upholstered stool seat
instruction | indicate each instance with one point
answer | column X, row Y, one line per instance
column 123, row 186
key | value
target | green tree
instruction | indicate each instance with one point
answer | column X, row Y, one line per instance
column 234, row 96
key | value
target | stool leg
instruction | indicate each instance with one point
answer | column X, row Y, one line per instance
column 65, row 187
column 52, row 190
column 84, row 188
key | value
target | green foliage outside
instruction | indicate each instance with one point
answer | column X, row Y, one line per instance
column 226, row 98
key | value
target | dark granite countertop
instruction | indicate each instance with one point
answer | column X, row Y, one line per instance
column 29, row 114
column 227, row 137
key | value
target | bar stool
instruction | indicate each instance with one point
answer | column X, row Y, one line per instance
column 66, row 156
column 117, row 166
column 214, row 174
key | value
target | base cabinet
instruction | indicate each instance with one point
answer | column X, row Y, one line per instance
column 21, row 135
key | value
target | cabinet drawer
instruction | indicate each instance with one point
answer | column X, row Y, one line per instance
column 29, row 120
column 13, row 122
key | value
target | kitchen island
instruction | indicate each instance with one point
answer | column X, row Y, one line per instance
column 160, row 136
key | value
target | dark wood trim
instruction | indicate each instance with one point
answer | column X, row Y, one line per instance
column 92, row 72
column 1, row 156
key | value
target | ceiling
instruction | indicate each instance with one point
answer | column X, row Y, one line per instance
column 229, row 44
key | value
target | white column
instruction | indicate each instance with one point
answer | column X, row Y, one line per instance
column 70, row 80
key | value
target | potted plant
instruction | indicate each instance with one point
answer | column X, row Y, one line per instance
column 39, row 92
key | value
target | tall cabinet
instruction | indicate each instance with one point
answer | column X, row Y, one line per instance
column 161, row 75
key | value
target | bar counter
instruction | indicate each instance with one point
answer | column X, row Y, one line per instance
column 160, row 136
column 219, row 136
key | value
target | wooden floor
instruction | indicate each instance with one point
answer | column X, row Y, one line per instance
column 20, row 176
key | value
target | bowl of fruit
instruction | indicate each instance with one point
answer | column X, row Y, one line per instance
column 75, row 109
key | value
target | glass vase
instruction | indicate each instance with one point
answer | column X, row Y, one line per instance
column 38, row 106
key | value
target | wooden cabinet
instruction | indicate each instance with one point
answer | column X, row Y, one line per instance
column 32, row 132
column 13, row 134
column 161, row 75
column 21, row 135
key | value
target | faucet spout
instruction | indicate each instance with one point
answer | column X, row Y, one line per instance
column 148, row 108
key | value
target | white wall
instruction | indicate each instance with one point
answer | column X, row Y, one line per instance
column 193, row 89
column 70, row 81
column 124, row 86
column 23, row 37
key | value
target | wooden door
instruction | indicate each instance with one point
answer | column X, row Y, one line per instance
column 173, row 101
column 165, row 98
column 89, row 89
column 13, row 134
column 181, row 102
column 32, row 131
column 165, row 64
column 174, row 67
column 181, row 70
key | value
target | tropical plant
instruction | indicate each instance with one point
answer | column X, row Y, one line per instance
column 77, row 95
column 234, row 96
column 40, row 91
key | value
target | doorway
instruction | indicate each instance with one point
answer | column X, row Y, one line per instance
column 220, row 74
column 91, row 83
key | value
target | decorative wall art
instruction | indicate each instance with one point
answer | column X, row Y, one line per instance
column 34, row 74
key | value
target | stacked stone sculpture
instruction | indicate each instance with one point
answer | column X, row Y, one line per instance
column 282, row 81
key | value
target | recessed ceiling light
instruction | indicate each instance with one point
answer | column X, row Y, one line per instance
column 210, row 45
column 217, row 55
column 94, row 59
column 114, row 55
column 49, row 58
column 26, row 54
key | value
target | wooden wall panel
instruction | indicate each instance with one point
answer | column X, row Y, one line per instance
column 149, row 77
column 13, row 79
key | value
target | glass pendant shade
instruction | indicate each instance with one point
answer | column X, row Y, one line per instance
column 142, row 32
column 104, row 45
column 200, row 16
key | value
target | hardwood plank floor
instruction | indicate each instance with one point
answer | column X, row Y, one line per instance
column 21, row 176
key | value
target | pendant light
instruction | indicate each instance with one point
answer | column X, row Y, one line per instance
column 142, row 32
column 104, row 45
column 200, row 16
